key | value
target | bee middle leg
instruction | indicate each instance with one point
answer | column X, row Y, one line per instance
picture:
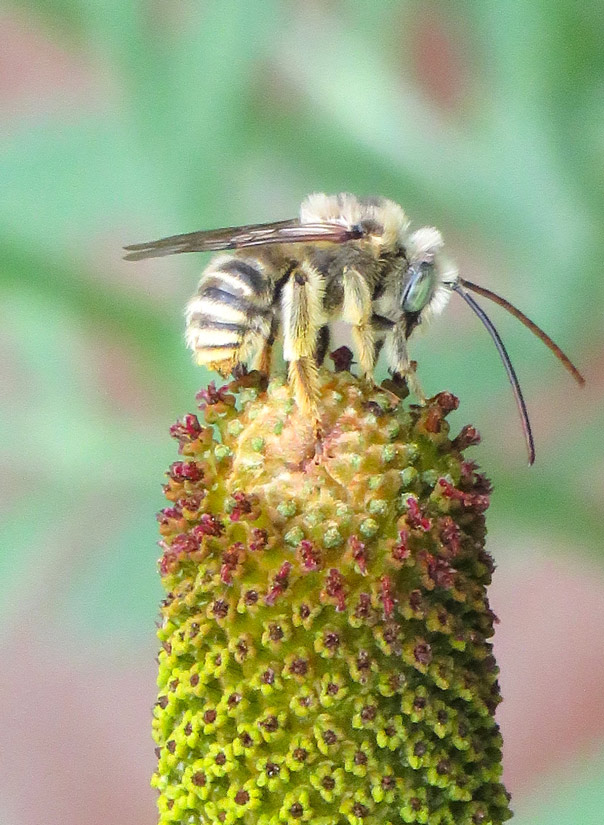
column 357, row 310
column 303, row 318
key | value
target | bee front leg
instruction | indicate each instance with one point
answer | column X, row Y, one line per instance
column 398, row 360
column 303, row 317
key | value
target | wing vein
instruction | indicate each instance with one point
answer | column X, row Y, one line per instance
column 241, row 237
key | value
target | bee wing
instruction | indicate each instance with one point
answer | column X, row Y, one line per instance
column 238, row 237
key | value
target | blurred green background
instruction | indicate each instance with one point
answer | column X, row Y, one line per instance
column 127, row 121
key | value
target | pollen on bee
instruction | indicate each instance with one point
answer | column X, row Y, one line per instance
column 221, row 360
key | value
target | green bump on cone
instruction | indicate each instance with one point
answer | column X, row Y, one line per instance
column 325, row 653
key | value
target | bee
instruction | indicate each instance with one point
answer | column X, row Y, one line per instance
column 348, row 258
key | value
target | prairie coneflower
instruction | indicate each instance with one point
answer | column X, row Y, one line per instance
column 325, row 635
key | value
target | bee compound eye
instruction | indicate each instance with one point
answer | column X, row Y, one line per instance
column 419, row 288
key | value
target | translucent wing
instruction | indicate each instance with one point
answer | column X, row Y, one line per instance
column 237, row 237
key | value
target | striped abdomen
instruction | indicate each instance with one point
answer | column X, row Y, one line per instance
column 231, row 313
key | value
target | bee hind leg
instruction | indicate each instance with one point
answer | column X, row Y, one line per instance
column 304, row 380
column 264, row 358
column 303, row 318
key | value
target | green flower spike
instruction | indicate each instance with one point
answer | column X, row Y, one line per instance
column 325, row 635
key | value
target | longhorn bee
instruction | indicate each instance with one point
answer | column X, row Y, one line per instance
column 348, row 258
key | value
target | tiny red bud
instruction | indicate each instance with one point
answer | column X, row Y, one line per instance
column 208, row 525
column 415, row 518
column 334, row 588
column 280, row 583
column 359, row 553
column 186, row 429
column 309, row 554
column 186, row 471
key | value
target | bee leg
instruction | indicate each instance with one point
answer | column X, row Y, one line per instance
column 303, row 317
column 381, row 327
column 357, row 310
column 379, row 343
column 304, row 379
column 263, row 360
column 364, row 341
column 322, row 345
column 413, row 382
column 398, row 361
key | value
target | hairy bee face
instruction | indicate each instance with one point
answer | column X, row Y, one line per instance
column 428, row 280
column 418, row 290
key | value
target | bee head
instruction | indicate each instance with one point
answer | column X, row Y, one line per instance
column 427, row 282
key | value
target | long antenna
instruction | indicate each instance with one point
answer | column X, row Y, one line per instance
column 524, row 418
column 492, row 296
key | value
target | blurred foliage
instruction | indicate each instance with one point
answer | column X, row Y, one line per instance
column 484, row 118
